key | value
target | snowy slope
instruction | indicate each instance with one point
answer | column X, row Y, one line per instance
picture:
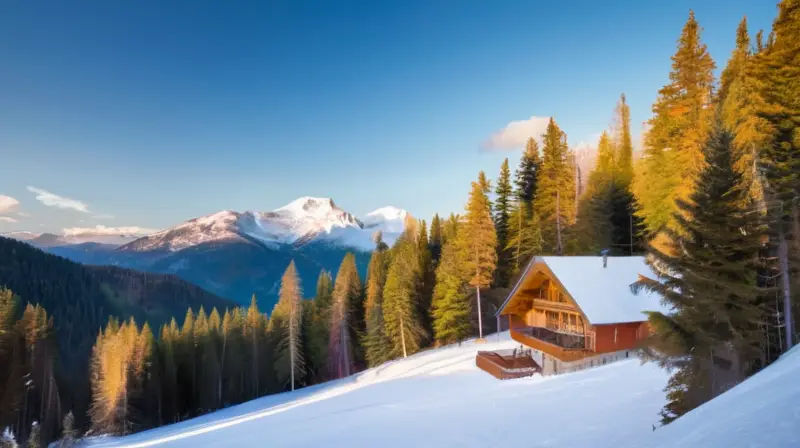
column 763, row 411
column 436, row 398
column 301, row 221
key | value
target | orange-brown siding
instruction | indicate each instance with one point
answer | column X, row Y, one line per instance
column 628, row 336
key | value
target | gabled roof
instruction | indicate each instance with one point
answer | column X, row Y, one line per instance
column 603, row 294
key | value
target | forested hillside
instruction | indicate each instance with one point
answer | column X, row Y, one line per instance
column 72, row 303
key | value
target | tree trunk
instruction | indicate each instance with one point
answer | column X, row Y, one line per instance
column 403, row 337
column 480, row 321
column 559, row 247
column 221, row 370
column 783, row 256
column 291, row 344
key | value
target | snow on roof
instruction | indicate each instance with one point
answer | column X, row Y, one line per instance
column 603, row 294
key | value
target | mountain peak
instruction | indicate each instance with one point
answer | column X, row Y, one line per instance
column 309, row 205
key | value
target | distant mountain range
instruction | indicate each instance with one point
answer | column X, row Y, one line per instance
column 235, row 254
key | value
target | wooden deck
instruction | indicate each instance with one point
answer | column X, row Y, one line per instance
column 507, row 367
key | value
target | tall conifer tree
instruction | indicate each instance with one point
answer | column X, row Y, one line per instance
column 478, row 242
column 711, row 284
column 402, row 320
column 681, row 121
column 502, row 211
column 342, row 340
column 555, row 196
column 285, row 327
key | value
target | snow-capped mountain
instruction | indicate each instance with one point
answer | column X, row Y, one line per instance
column 300, row 222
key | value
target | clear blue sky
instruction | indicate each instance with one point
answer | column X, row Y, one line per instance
column 159, row 111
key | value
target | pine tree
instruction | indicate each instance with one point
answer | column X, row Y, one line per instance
column 285, row 326
column 377, row 346
column 502, row 212
column 342, row 356
column 451, row 309
column 254, row 326
column 426, row 280
column 711, row 284
column 436, row 239
column 673, row 145
column 316, row 329
column 596, row 206
column 526, row 177
column 478, row 242
column 555, row 196
column 402, row 321
column 524, row 237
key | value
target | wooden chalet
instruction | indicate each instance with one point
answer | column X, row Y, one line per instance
column 573, row 313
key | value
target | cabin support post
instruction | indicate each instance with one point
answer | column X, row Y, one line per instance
column 498, row 328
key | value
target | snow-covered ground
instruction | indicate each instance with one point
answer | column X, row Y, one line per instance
column 437, row 398
column 763, row 411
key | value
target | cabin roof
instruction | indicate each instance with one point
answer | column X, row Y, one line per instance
column 603, row 294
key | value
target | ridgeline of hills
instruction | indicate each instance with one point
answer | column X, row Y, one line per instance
column 82, row 298
column 238, row 254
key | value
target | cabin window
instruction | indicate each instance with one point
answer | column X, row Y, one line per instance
column 573, row 323
column 562, row 298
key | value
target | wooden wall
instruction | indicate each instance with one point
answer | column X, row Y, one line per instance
column 628, row 336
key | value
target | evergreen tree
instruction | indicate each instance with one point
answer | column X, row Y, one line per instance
column 451, row 309
column 596, row 206
column 524, row 237
column 342, row 356
column 527, row 174
column 673, row 145
column 711, row 284
column 377, row 346
column 436, row 239
column 254, row 326
column 286, row 324
column 426, row 280
column 402, row 321
column 502, row 212
column 316, row 331
column 555, row 196
column 478, row 242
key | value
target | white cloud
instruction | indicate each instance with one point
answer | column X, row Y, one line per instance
column 516, row 134
column 7, row 203
column 103, row 230
column 23, row 215
column 103, row 216
column 54, row 200
column 7, row 219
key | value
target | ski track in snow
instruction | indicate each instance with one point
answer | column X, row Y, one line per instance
column 435, row 398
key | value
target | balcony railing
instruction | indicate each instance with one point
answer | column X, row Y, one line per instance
column 563, row 340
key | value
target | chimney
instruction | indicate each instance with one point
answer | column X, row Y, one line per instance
column 605, row 257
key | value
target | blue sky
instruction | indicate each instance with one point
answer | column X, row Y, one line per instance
column 147, row 113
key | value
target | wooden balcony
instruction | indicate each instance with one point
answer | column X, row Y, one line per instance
column 565, row 347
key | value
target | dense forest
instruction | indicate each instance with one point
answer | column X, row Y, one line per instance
column 711, row 199
column 78, row 301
